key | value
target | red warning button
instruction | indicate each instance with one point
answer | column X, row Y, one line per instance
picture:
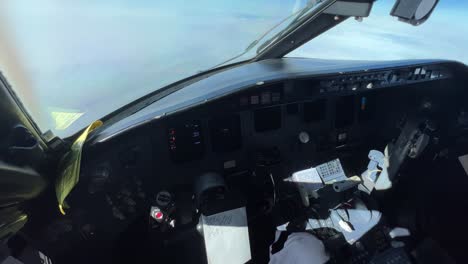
column 158, row 215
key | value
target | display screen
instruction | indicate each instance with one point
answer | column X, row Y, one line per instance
column 367, row 108
column 186, row 141
column 226, row 133
column 344, row 112
column 267, row 119
column 315, row 111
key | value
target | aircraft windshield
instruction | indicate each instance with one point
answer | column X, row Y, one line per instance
column 72, row 62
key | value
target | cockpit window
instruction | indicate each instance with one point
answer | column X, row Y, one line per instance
column 72, row 62
column 381, row 37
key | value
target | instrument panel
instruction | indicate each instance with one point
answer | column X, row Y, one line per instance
column 338, row 103
column 278, row 125
column 301, row 118
column 186, row 141
column 226, row 133
column 293, row 122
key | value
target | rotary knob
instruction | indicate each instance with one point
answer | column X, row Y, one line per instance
column 304, row 137
column 163, row 198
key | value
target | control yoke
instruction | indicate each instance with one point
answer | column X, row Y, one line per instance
column 384, row 167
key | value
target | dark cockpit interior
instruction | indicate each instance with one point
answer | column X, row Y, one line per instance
column 108, row 155
column 148, row 180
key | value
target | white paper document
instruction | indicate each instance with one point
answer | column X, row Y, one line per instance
column 226, row 237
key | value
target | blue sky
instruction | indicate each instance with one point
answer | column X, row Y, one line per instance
column 382, row 37
column 92, row 57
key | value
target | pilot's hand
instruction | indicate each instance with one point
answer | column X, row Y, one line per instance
column 300, row 247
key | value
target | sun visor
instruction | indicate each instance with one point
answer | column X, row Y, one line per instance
column 70, row 167
column 346, row 8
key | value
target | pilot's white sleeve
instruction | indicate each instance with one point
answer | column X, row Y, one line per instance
column 300, row 248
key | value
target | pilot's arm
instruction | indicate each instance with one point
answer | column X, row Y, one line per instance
column 297, row 248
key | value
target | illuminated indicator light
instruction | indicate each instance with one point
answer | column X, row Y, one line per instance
column 342, row 136
column 363, row 103
column 229, row 164
column 158, row 215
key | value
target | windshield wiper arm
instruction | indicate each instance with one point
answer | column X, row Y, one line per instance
column 287, row 28
column 254, row 43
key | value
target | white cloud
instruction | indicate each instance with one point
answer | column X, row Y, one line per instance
column 382, row 37
column 111, row 51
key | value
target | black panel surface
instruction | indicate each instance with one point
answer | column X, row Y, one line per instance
column 344, row 112
column 226, row 133
column 315, row 111
column 267, row 119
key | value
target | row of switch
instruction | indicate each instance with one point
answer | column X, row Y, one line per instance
column 373, row 80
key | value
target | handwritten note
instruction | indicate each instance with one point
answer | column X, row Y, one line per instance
column 217, row 224
column 226, row 237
